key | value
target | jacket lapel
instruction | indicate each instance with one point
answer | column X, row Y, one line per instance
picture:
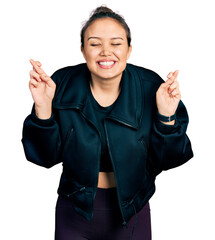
column 128, row 107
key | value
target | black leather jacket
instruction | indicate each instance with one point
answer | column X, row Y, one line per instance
column 140, row 146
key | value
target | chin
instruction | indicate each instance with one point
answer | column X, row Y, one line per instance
column 108, row 76
column 106, row 73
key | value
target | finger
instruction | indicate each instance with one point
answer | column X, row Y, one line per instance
column 169, row 75
column 32, row 62
column 176, row 93
column 38, row 63
column 35, row 75
column 167, row 83
column 173, row 86
column 173, row 75
column 48, row 80
column 38, row 69
column 44, row 77
column 33, row 83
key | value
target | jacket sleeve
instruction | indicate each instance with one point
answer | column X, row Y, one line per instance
column 170, row 146
column 41, row 138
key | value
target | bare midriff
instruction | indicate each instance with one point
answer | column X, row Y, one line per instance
column 106, row 180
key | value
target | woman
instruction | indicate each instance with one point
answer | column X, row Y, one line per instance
column 115, row 127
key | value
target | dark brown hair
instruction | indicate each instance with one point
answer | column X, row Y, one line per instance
column 104, row 12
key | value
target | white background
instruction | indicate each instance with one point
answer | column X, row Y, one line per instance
column 166, row 35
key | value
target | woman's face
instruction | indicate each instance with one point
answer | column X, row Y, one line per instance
column 106, row 49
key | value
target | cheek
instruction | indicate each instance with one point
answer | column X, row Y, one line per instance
column 91, row 55
column 122, row 54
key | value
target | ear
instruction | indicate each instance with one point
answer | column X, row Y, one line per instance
column 129, row 51
column 83, row 52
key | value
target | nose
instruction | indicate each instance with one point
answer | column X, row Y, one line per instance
column 106, row 50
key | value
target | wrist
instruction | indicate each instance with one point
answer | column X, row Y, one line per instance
column 44, row 111
column 166, row 119
column 168, row 123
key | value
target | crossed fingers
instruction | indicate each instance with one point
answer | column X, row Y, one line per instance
column 172, row 84
column 37, row 72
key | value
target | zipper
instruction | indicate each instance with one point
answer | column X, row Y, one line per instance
column 122, row 122
column 68, row 135
column 67, row 139
column 144, row 144
column 89, row 121
column 124, row 222
column 98, row 166
column 78, row 190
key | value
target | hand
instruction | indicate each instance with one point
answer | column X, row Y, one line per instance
column 42, row 88
column 168, row 95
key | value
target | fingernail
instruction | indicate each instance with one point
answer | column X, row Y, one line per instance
column 169, row 75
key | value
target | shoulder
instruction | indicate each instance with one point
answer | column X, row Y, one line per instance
column 145, row 74
column 62, row 74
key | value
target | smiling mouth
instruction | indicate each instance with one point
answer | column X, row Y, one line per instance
column 106, row 64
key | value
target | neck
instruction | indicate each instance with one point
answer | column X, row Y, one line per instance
column 106, row 86
column 105, row 91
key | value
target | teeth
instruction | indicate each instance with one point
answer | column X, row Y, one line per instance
column 106, row 63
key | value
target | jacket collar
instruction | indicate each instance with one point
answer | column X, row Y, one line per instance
column 128, row 107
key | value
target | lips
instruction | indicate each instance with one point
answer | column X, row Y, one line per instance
column 106, row 64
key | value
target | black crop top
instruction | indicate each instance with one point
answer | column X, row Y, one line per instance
column 101, row 113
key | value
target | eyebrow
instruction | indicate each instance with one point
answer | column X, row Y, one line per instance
column 100, row 38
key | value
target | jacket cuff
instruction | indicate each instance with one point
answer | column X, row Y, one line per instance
column 42, row 122
column 166, row 129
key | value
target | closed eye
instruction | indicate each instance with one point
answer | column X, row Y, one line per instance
column 93, row 45
column 116, row 44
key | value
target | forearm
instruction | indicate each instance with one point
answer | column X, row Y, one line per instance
column 170, row 146
column 41, row 140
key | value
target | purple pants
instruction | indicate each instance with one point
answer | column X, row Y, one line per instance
column 106, row 223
